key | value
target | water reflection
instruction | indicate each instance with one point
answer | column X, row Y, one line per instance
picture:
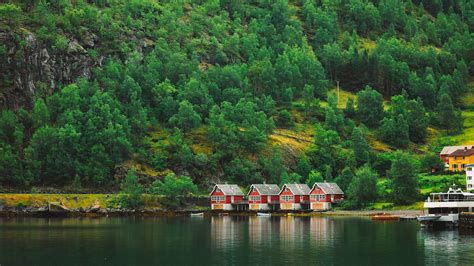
column 229, row 240
column 452, row 245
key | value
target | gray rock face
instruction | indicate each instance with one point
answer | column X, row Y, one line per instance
column 34, row 66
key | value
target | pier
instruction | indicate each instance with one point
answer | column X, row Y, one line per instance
column 466, row 220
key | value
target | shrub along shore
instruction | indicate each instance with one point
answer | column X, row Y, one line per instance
column 93, row 205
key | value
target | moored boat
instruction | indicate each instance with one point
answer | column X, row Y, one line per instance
column 443, row 209
column 263, row 214
column 385, row 217
column 427, row 218
column 197, row 214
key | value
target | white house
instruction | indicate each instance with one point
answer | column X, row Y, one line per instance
column 470, row 177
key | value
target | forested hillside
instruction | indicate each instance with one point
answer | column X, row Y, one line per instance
column 236, row 91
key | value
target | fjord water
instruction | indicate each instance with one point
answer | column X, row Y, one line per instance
column 228, row 241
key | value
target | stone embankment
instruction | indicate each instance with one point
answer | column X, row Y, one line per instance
column 90, row 205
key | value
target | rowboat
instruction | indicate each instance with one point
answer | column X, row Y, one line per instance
column 197, row 214
column 262, row 214
column 385, row 217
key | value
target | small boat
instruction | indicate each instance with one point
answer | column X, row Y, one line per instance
column 428, row 218
column 197, row 214
column 262, row 214
column 385, row 217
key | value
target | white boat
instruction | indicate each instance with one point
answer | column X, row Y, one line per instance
column 262, row 214
column 444, row 208
column 197, row 214
column 427, row 218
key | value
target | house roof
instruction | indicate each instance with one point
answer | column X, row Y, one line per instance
column 450, row 149
column 228, row 189
column 329, row 188
column 462, row 152
column 266, row 189
column 297, row 189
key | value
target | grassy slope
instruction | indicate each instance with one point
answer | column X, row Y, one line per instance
column 467, row 136
column 299, row 138
column 76, row 201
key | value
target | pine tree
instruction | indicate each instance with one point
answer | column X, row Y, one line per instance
column 186, row 118
column 360, row 146
column 447, row 114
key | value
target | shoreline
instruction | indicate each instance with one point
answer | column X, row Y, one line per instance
column 127, row 212
column 97, row 205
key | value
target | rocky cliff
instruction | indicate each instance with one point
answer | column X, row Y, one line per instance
column 30, row 67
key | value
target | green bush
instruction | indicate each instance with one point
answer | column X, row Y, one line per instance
column 131, row 191
column 174, row 188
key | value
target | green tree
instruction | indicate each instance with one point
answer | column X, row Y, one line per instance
column 131, row 190
column 370, row 107
column 308, row 96
column 344, row 179
column 431, row 162
column 11, row 130
column 360, row 146
column 404, row 182
column 186, row 118
column 363, row 187
column 273, row 166
column 40, row 113
column 302, row 167
column 334, row 117
column 11, row 171
column 447, row 116
column 293, row 178
column 350, row 110
column 417, row 121
column 285, row 119
column 313, row 177
column 394, row 131
column 174, row 188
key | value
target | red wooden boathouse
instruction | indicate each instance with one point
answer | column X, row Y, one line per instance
column 263, row 197
column 294, row 197
column 227, row 197
column 323, row 195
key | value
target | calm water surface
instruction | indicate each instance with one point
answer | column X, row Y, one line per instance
column 229, row 241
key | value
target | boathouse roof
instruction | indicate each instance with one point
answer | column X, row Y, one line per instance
column 297, row 189
column 329, row 188
column 266, row 189
column 228, row 189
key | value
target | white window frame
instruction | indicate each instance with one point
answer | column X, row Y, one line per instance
column 218, row 198
column 255, row 198
column 318, row 197
column 286, row 198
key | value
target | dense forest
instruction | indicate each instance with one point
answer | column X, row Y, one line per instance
column 218, row 90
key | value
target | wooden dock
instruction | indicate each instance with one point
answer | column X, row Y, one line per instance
column 407, row 218
column 466, row 220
